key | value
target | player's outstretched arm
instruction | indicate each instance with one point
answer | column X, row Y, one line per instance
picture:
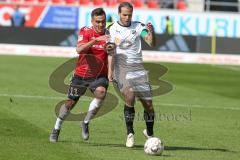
column 85, row 46
column 150, row 37
column 110, row 49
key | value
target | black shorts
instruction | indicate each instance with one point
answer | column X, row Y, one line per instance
column 79, row 85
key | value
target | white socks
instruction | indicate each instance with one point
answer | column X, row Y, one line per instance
column 94, row 104
column 58, row 124
column 93, row 109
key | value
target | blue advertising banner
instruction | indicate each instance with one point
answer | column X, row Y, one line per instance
column 60, row 17
column 184, row 23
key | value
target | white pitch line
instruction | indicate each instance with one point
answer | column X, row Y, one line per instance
column 38, row 97
column 179, row 105
column 89, row 99
column 233, row 68
column 195, row 106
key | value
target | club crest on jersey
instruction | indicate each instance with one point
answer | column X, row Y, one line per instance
column 80, row 38
column 125, row 44
column 117, row 41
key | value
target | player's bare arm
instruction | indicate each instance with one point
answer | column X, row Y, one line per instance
column 110, row 68
column 85, row 46
column 110, row 49
column 150, row 37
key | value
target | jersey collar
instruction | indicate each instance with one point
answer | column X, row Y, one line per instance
column 124, row 26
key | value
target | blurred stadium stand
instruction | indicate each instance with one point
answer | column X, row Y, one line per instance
column 84, row 2
column 222, row 5
column 189, row 5
column 43, row 1
column 171, row 4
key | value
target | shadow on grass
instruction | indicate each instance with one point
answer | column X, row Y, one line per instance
column 182, row 148
column 140, row 147
column 174, row 148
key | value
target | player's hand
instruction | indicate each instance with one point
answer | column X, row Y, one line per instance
column 150, row 27
column 105, row 38
column 110, row 48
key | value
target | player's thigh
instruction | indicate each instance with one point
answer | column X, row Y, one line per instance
column 99, row 87
column 129, row 96
column 77, row 88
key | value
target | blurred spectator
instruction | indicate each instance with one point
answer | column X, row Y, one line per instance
column 167, row 4
column 169, row 26
column 17, row 18
column 181, row 5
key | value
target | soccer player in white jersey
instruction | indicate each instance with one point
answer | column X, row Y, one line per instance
column 128, row 70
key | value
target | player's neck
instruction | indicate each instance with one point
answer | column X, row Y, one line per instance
column 121, row 24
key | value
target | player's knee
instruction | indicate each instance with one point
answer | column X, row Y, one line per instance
column 150, row 109
column 130, row 100
column 70, row 104
column 100, row 92
column 148, row 106
column 129, row 94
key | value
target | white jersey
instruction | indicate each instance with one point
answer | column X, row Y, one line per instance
column 128, row 40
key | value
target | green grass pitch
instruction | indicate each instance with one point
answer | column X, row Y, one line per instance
column 197, row 120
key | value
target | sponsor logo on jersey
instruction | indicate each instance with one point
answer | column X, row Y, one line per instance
column 97, row 46
column 133, row 31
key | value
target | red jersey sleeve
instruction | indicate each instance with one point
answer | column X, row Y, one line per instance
column 83, row 36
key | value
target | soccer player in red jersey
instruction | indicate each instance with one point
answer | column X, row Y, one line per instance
column 91, row 72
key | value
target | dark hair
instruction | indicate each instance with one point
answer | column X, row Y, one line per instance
column 124, row 4
column 98, row 12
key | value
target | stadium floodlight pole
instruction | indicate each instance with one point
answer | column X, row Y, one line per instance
column 207, row 3
column 214, row 39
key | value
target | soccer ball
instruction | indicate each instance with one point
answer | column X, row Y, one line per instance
column 153, row 146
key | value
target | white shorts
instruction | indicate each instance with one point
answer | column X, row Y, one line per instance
column 138, row 81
